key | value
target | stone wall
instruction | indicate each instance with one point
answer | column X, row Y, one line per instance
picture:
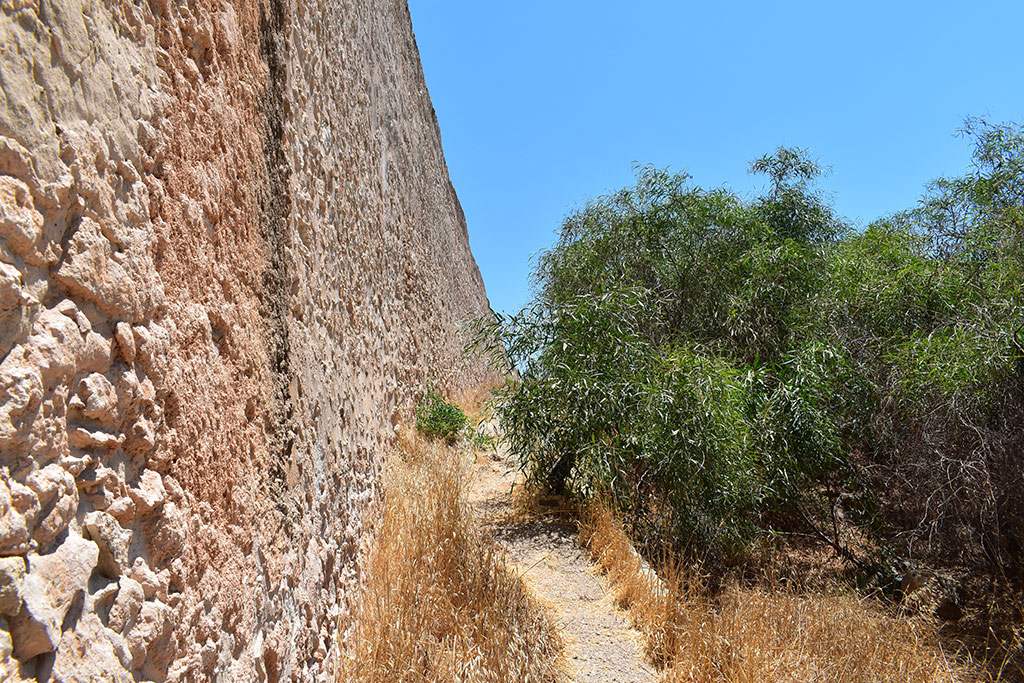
column 230, row 256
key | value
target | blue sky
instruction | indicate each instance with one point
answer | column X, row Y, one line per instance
column 545, row 104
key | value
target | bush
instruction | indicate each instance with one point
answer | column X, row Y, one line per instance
column 657, row 363
column 436, row 416
column 727, row 367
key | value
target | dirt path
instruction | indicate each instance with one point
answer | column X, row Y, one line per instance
column 601, row 646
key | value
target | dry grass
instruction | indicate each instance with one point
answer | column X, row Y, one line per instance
column 439, row 602
column 475, row 400
column 767, row 633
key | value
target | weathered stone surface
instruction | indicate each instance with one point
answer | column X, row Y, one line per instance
column 101, row 599
column 8, row 664
column 21, row 385
column 14, row 534
column 92, row 654
column 150, row 493
column 125, row 610
column 12, row 573
column 113, row 541
column 153, row 584
column 17, row 305
column 90, row 272
column 20, row 224
column 65, row 571
column 97, row 354
column 229, row 257
column 58, row 501
column 53, row 583
column 149, row 638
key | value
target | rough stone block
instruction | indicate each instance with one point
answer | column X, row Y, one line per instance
column 113, row 541
column 12, row 573
column 53, row 583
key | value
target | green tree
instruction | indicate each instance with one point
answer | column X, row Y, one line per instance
column 726, row 367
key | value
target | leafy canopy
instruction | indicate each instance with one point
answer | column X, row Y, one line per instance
column 728, row 367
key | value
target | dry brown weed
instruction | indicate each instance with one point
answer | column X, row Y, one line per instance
column 439, row 602
column 767, row 633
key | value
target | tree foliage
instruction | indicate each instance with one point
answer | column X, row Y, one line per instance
column 726, row 367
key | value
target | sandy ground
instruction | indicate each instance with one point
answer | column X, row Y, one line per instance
column 600, row 645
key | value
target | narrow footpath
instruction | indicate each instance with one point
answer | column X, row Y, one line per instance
column 600, row 645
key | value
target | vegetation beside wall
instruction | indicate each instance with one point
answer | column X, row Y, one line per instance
column 733, row 369
column 767, row 631
column 439, row 602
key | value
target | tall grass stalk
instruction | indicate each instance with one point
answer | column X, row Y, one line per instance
column 765, row 633
column 439, row 602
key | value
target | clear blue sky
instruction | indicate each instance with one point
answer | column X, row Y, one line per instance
column 545, row 104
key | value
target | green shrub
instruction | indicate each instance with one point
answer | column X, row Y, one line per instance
column 436, row 416
column 656, row 364
column 725, row 367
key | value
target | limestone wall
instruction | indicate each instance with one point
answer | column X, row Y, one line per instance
column 230, row 255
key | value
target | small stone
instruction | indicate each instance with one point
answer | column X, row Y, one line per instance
column 16, row 307
column 174, row 489
column 127, row 171
column 56, row 490
column 92, row 653
column 66, row 570
column 150, row 493
column 96, row 356
column 123, row 510
column 79, row 437
column 125, row 342
column 100, row 399
column 141, row 436
column 151, row 343
column 101, row 475
column 153, row 585
column 127, row 604
column 167, row 534
column 12, row 573
column 112, row 540
column 48, row 482
column 69, row 308
column 14, row 534
column 153, row 627
column 21, row 385
column 76, row 464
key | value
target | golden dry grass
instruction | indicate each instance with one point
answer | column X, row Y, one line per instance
column 474, row 400
column 439, row 602
column 765, row 634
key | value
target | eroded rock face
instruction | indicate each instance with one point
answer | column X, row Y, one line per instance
column 113, row 541
column 12, row 573
column 53, row 585
column 230, row 255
